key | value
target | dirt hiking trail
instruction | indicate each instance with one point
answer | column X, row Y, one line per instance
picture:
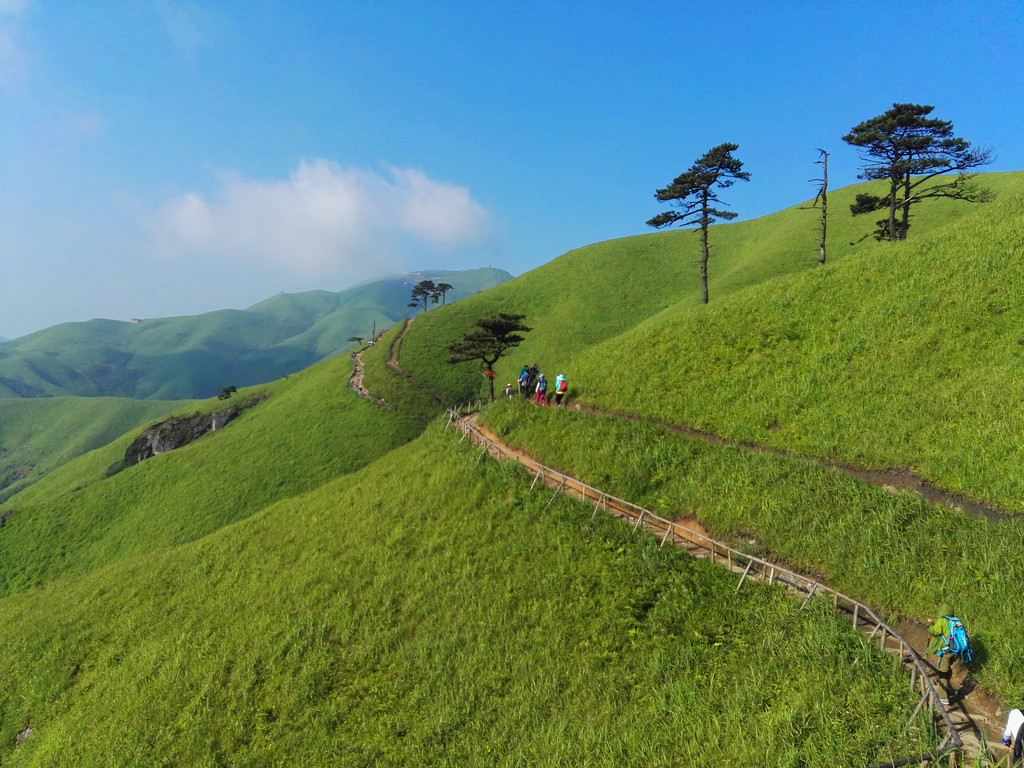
column 976, row 716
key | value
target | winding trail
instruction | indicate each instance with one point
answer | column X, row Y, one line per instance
column 396, row 346
column 974, row 714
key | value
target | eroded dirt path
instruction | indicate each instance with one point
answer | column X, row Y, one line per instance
column 891, row 478
column 977, row 716
column 396, row 347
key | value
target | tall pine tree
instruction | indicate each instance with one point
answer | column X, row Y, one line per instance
column 693, row 195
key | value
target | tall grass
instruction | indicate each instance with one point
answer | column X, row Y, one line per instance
column 596, row 293
column 310, row 428
column 894, row 551
column 442, row 615
column 38, row 435
column 910, row 355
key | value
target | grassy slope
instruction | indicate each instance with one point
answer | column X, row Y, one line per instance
column 182, row 357
column 906, row 354
column 440, row 615
column 310, row 429
column 910, row 355
column 295, row 631
column 599, row 292
column 38, row 435
column 893, row 551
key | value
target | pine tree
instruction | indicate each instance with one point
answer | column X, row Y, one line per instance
column 693, row 194
column 493, row 337
column 910, row 150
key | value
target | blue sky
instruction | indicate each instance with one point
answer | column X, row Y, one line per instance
column 164, row 158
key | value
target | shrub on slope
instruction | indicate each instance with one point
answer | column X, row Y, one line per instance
column 310, row 429
column 433, row 610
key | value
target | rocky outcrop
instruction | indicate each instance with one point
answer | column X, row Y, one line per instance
column 168, row 434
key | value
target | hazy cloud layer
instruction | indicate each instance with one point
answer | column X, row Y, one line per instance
column 324, row 219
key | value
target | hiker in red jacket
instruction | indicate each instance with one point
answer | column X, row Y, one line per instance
column 542, row 390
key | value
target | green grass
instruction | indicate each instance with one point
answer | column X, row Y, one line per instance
column 298, row 589
column 602, row 291
column 910, row 355
column 893, row 551
column 38, row 435
column 442, row 616
column 310, row 429
column 384, row 382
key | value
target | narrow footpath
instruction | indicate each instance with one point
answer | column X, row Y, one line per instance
column 976, row 716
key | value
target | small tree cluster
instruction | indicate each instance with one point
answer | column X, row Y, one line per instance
column 427, row 290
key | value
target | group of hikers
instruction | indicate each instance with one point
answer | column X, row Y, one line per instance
column 533, row 383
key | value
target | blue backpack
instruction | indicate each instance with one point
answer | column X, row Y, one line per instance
column 957, row 641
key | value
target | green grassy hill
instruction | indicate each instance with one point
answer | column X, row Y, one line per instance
column 328, row 582
column 599, row 292
column 432, row 610
column 193, row 357
column 309, row 429
column 904, row 355
column 910, row 355
column 39, row 435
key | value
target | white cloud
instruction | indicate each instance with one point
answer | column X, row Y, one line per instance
column 324, row 219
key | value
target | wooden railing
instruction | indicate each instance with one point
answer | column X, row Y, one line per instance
column 750, row 567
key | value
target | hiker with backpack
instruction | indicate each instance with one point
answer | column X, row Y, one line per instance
column 948, row 641
column 561, row 387
column 1012, row 737
column 542, row 390
column 524, row 381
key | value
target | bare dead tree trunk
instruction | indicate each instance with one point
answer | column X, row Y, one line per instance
column 823, row 196
column 704, row 252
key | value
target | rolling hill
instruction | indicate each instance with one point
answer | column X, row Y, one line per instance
column 328, row 582
column 187, row 357
column 39, row 435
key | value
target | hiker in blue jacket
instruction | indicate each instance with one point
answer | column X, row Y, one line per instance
column 524, row 381
column 542, row 390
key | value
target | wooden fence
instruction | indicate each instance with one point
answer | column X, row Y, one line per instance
column 749, row 566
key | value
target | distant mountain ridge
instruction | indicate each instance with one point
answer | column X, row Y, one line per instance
column 194, row 356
